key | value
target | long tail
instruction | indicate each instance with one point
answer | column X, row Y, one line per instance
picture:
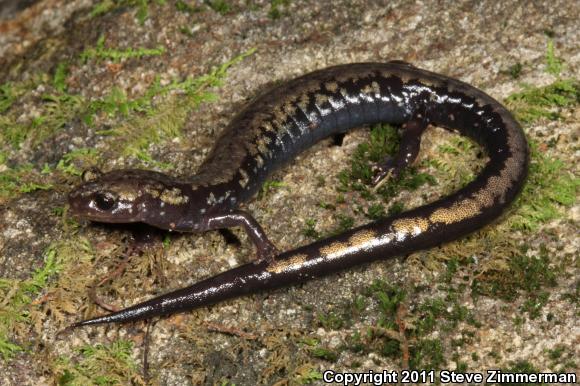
column 406, row 233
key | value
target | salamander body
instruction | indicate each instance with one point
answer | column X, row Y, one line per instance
column 288, row 119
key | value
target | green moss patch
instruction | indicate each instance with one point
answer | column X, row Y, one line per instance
column 23, row 179
column 534, row 103
column 100, row 52
column 384, row 142
column 525, row 275
column 277, row 8
column 110, row 364
column 17, row 297
column 377, row 202
column 55, row 109
column 554, row 65
column 162, row 121
column 154, row 117
column 398, row 330
column 142, row 7
column 550, row 187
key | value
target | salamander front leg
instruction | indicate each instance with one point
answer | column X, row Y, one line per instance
column 408, row 150
column 265, row 249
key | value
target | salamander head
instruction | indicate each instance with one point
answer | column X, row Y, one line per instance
column 124, row 196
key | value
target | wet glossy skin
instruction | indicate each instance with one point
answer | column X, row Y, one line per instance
column 288, row 119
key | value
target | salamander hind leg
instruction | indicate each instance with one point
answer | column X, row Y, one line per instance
column 266, row 250
column 407, row 153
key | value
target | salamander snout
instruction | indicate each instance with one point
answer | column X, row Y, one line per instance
column 93, row 203
column 107, row 198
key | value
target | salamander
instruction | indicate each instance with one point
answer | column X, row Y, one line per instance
column 271, row 131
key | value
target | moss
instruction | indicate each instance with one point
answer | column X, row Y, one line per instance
column 520, row 367
column 330, row 321
column 102, row 8
column 307, row 375
column 431, row 310
column 448, row 161
column 382, row 336
column 116, row 55
column 324, row 353
column 495, row 355
column 22, row 179
column 451, row 269
column 269, row 186
column 276, row 6
column 375, row 211
column 143, row 9
column 110, row 364
column 388, row 298
column 309, row 229
column 396, row 208
column 327, row 205
column 410, row 180
column 7, row 96
column 220, row 6
column 116, row 103
column 154, row 124
column 457, row 146
column 26, row 179
column 573, row 296
column 54, row 107
column 59, row 77
column 184, row 7
column 404, row 330
column 17, row 297
column 527, row 275
column 427, row 355
column 82, row 156
column 356, row 343
column 143, row 120
column 11, row 92
column 455, row 165
column 515, row 70
column 344, row 223
column 444, row 313
column 554, row 64
column 511, row 274
column 461, row 367
column 556, row 353
column 549, row 187
column 57, row 107
column 383, row 143
column 535, row 103
column 107, row 6
column 534, row 304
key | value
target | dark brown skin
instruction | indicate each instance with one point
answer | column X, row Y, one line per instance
column 287, row 120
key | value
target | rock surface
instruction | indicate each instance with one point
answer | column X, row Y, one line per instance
column 292, row 335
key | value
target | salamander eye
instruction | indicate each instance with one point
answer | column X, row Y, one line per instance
column 104, row 201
